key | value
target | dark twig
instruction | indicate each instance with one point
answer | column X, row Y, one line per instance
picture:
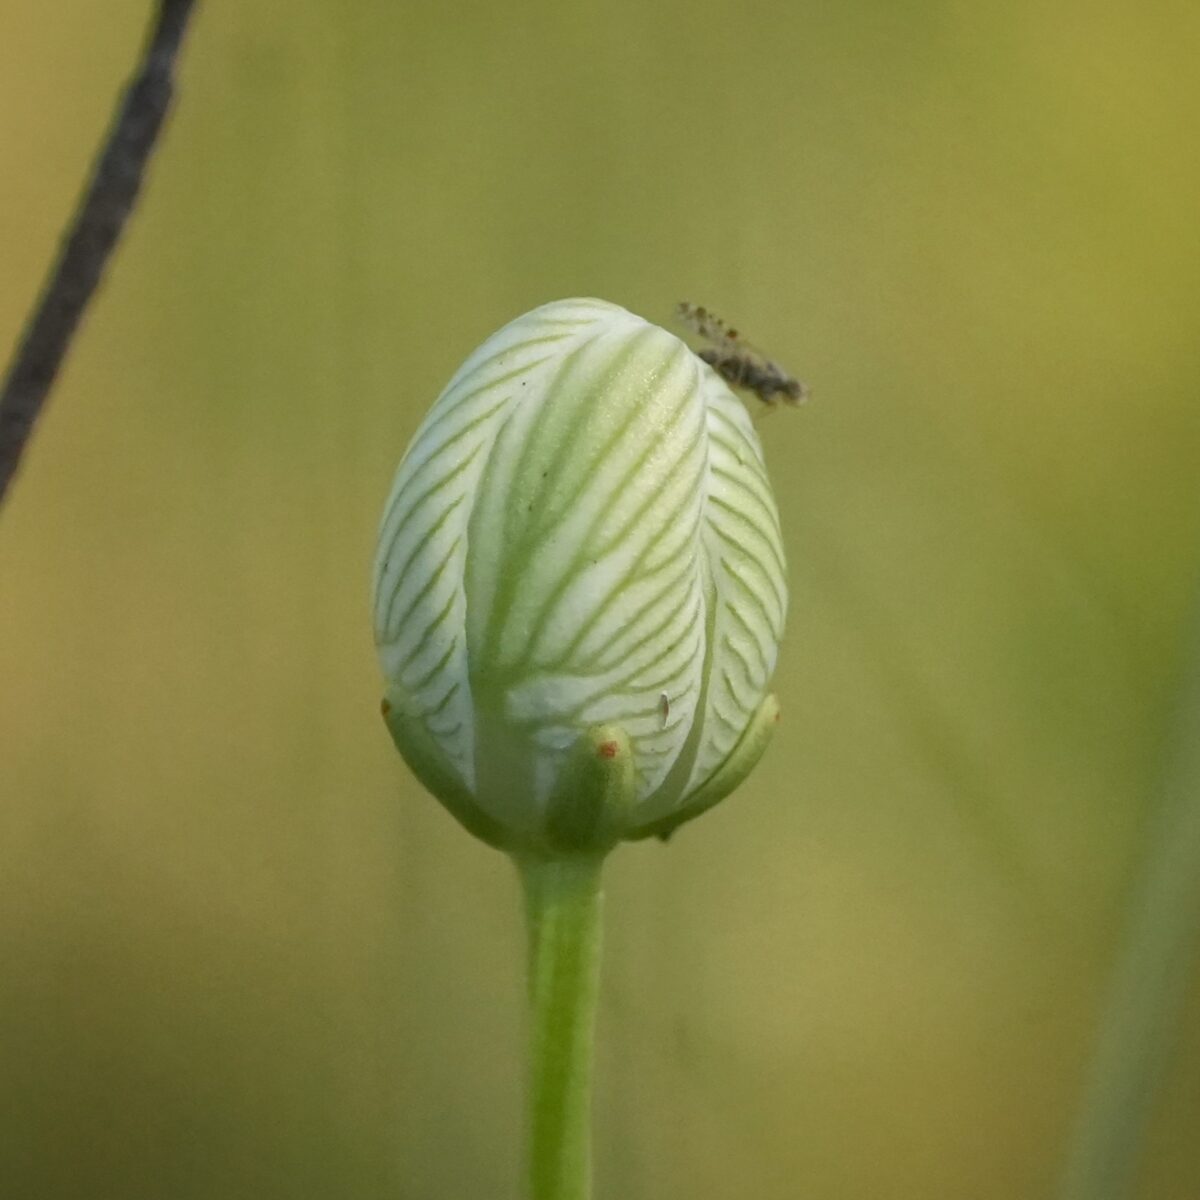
column 102, row 213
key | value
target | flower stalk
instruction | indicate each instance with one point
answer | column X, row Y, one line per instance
column 563, row 908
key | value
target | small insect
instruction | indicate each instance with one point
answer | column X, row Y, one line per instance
column 739, row 363
column 664, row 707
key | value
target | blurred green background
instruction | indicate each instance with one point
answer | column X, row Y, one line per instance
column 243, row 954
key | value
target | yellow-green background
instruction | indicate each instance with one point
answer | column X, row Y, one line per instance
column 241, row 955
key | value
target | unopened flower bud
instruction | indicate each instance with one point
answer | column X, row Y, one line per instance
column 580, row 586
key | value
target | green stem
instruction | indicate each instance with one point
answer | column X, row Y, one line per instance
column 562, row 903
column 1141, row 1019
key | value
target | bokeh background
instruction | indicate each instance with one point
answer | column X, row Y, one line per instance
column 242, row 954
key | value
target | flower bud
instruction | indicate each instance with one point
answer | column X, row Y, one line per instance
column 580, row 586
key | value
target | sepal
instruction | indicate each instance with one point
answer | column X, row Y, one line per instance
column 431, row 765
column 594, row 794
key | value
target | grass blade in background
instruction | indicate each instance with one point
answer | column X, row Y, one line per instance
column 1140, row 1021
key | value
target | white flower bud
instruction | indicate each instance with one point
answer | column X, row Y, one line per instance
column 580, row 585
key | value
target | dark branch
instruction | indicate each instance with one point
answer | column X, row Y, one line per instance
column 102, row 213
